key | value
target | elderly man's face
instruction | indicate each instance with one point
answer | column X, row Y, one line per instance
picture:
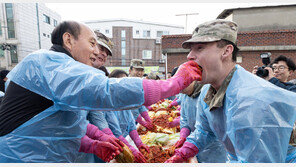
column 85, row 49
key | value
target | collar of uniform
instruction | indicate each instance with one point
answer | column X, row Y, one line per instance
column 59, row 48
column 214, row 98
column 197, row 89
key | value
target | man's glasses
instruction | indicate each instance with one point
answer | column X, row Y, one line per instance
column 280, row 68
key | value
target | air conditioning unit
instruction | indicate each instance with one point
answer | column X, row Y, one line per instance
column 158, row 40
column 161, row 61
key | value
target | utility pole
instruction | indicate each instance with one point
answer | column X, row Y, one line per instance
column 166, row 65
column 38, row 25
column 186, row 15
column 5, row 46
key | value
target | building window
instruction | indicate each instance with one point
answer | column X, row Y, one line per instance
column 122, row 34
column 123, row 61
column 107, row 31
column 123, row 52
column 10, row 20
column 123, row 47
column 160, row 33
column 46, row 19
column 13, row 54
column 55, row 22
column 137, row 32
column 147, row 54
column 146, row 33
column 122, row 44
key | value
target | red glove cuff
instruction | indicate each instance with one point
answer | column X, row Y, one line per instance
column 145, row 115
column 91, row 131
column 151, row 91
column 135, row 137
column 85, row 144
column 184, row 132
column 108, row 132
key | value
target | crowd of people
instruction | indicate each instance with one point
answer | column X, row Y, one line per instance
column 62, row 104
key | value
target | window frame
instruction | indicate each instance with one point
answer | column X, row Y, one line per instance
column 46, row 19
column 145, row 54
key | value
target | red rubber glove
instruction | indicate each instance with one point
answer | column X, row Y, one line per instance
column 146, row 124
column 179, row 108
column 187, row 73
column 101, row 149
column 155, row 90
column 175, row 159
column 180, row 142
column 145, row 115
column 94, row 133
column 183, row 135
column 145, row 147
column 139, row 157
column 108, row 132
column 175, row 122
column 174, row 103
column 137, row 140
column 187, row 151
column 149, row 108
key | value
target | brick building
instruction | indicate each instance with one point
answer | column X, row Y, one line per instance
column 261, row 29
column 171, row 46
column 135, row 39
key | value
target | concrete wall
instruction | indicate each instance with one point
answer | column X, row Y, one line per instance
column 26, row 28
column 47, row 28
column 258, row 19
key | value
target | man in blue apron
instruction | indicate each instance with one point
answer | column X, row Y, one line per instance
column 251, row 117
column 43, row 113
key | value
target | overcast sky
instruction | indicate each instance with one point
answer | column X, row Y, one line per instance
column 151, row 12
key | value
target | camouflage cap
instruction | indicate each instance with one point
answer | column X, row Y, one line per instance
column 137, row 63
column 104, row 41
column 213, row 31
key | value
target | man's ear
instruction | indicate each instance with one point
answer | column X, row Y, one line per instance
column 68, row 41
column 227, row 53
